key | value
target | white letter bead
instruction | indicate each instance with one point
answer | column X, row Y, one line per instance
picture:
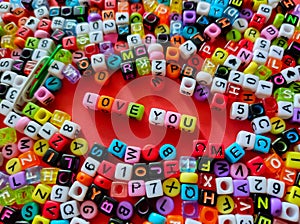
column 32, row 129
column 11, row 119
column 286, row 30
column 158, row 67
column 224, row 219
column 218, row 85
column 285, row 109
column 296, row 101
column 224, row 185
column 243, row 219
column 239, row 111
column 5, row 107
column 70, row 129
column 59, row 193
column 77, row 220
column 240, row 24
column 257, row 184
column 290, row 74
column 203, row 78
column 154, row 188
column 261, row 125
column 157, row 116
column 236, row 77
column 90, row 101
column 47, row 130
column 134, row 40
column 264, row 89
column 69, row 209
column 98, row 62
column 275, row 188
column 187, row 86
column 78, row 191
column 276, row 52
column 123, row 171
column 187, row 49
column 246, row 139
column 262, row 44
column 90, row 166
column 250, row 82
column 289, row 212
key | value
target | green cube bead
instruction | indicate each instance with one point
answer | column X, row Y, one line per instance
column 7, row 135
column 281, row 42
column 143, row 66
column 263, row 72
column 295, row 87
column 278, row 20
column 234, row 35
column 82, row 41
column 284, row 94
column 64, row 56
column 24, row 194
column 135, row 110
column 30, row 109
column 2, row 32
column 7, row 196
column 32, row 43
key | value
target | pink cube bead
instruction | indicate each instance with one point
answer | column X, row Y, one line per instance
column 149, row 39
column 44, row 96
column 22, row 124
column 269, row 32
column 10, row 151
column 90, row 101
column 132, row 154
column 119, row 107
column 107, row 169
column 239, row 171
column 245, row 56
column 172, row 119
column 119, row 190
column 88, row 210
column 212, row 31
column 156, row 55
column 17, row 180
column 136, row 188
column 25, row 144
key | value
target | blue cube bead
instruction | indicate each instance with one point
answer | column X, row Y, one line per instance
column 70, row 27
column 165, row 2
column 231, row 13
column 59, row 222
column 262, row 144
column 189, row 192
column 221, row 3
column 176, row 28
column 234, row 152
column 189, row 31
column 156, row 218
column 72, row 3
column 215, row 11
column 167, row 152
column 113, row 62
column 53, row 84
column 209, row 1
column 117, row 148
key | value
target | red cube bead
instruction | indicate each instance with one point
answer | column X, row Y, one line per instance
column 257, row 166
column 102, row 182
column 69, row 43
column 150, row 152
column 207, row 181
column 199, row 148
column 58, row 142
column 244, row 206
column 45, row 25
column 257, row 21
column 51, row 210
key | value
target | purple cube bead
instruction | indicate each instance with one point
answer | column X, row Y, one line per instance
column 17, row 180
column 71, row 73
column 201, row 93
column 296, row 10
column 241, row 188
column 189, row 17
column 190, row 209
column 106, row 48
column 175, row 17
column 246, row 14
column 3, row 179
column 296, row 115
column 221, row 168
column 276, row 206
column 165, row 205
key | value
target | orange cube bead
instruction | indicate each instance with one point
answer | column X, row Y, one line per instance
column 172, row 54
column 28, row 159
column 123, row 7
column 247, row 97
column 173, row 70
column 274, row 163
column 163, row 12
column 85, row 179
column 288, row 176
column 105, row 103
column 274, row 64
column 208, row 215
column 174, row 219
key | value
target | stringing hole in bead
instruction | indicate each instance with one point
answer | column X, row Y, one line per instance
column 189, row 15
column 19, row 82
column 119, row 189
column 79, row 191
column 41, row 93
column 188, row 84
column 290, row 212
column 189, row 210
column 212, row 29
column 172, row 52
column 287, row 29
column 42, row 114
column 224, row 185
column 209, row 215
column 151, row 18
column 144, row 208
column 220, row 100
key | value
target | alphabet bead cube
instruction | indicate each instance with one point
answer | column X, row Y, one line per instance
column 69, row 209
column 157, row 116
column 70, row 129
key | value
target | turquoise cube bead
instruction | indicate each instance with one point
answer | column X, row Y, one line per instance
column 189, row 31
column 113, row 62
column 167, row 152
column 59, row 222
column 221, row 3
column 234, row 153
column 117, row 148
column 231, row 13
column 156, row 218
column 165, row 2
column 189, row 192
column 262, row 144
column 29, row 211
column 53, row 84
column 215, row 11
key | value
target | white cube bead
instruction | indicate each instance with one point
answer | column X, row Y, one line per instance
column 33, row 22
column 203, row 78
column 96, row 37
column 90, row 166
column 203, row 8
column 96, row 25
column 242, row 219
column 78, row 191
column 123, row 171
column 289, row 212
column 19, row 81
column 41, row 12
column 260, row 57
column 187, row 86
column 157, row 116
column 32, row 129
column 246, row 139
column 47, row 130
column 5, row 107
column 98, row 62
column 285, row 109
column 239, row 111
column 262, row 44
column 190, row 221
column 122, row 18
column 218, row 85
column 8, row 77
column 240, row 24
column 276, row 52
column 261, row 125
column 11, row 119
column 158, row 67
column 264, row 89
column 56, row 68
column 134, row 40
column 154, row 188
column 236, row 77
column 286, row 30
column 82, row 28
column 46, row 44
column 69, row 209
column 233, row 62
column 290, row 74
column 266, row 10
column 226, row 219
column 250, row 82
column 109, row 26
column 70, row 129
column 38, row 54
column 257, row 184
column 275, row 188
column 57, row 23
column 296, row 101
column 77, row 220
column 224, row 185
column 187, row 49
column 12, row 94
column 59, row 193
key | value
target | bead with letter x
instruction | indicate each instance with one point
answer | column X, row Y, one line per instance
column 171, row 187
column 207, row 181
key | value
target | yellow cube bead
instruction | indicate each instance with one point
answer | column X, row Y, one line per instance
column 191, row 178
column 41, row 193
column 40, row 220
column 7, row 41
column 42, row 116
column 208, row 66
column 10, row 28
column 292, row 160
column 171, row 187
column 293, row 195
column 187, row 123
column 59, row 117
column 256, row 3
column 49, row 175
column 278, row 125
column 162, row 29
column 40, row 147
column 251, row 34
column 251, row 68
column 13, row 166
column 225, row 204
column 137, row 28
column 219, row 56
column 176, row 6
column 150, row 5
column 79, row 146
